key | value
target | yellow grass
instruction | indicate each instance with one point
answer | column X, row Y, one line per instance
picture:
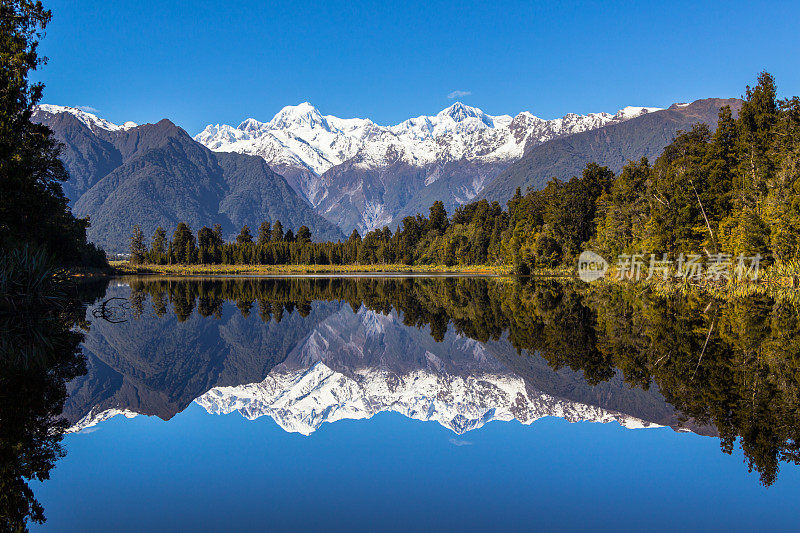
column 772, row 280
column 124, row 267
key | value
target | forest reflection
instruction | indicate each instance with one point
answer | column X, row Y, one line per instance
column 39, row 354
column 733, row 364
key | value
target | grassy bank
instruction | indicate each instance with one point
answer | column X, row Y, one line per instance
column 771, row 280
column 124, row 267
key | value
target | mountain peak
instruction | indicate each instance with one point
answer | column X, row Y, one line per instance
column 252, row 126
column 89, row 119
column 460, row 112
column 302, row 115
column 629, row 112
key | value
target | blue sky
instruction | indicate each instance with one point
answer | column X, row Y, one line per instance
column 202, row 62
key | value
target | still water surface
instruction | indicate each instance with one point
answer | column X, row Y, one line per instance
column 405, row 403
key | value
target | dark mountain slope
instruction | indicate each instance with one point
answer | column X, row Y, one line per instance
column 157, row 175
column 611, row 146
column 86, row 156
column 457, row 185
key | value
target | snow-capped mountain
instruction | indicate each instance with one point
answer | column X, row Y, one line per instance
column 297, row 134
column 355, row 365
column 90, row 120
column 303, row 136
column 351, row 169
column 300, row 401
column 348, row 368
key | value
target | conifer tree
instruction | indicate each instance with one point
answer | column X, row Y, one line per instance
column 219, row 239
column 277, row 232
column 438, row 218
column 138, row 248
column 303, row 235
column 206, row 241
column 244, row 237
column 158, row 249
column 182, row 245
column 264, row 233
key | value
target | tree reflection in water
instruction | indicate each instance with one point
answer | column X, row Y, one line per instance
column 731, row 363
column 39, row 353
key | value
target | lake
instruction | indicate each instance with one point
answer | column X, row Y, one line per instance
column 425, row 402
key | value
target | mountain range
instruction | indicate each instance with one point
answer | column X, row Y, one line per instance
column 157, row 175
column 362, row 175
column 332, row 174
column 333, row 362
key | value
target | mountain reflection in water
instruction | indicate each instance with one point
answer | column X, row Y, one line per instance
column 458, row 351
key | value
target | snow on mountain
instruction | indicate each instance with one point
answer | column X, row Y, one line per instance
column 354, row 366
column 95, row 417
column 300, row 138
column 632, row 112
column 297, row 135
column 92, row 121
column 301, row 401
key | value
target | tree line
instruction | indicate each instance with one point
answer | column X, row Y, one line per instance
column 471, row 236
column 732, row 190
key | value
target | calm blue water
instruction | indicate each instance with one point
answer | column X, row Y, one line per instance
column 397, row 405
column 206, row 472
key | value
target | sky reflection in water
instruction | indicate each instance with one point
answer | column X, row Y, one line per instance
column 352, row 364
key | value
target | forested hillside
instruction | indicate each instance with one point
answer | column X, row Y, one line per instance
column 733, row 190
column 156, row 175
column 611, row 146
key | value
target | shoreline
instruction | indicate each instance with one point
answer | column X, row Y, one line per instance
column 769, row 282
column 125, row 268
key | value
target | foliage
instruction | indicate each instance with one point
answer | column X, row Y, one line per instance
column 28, row 280
column 33, row 208
column 39, row 353
column 732, row 191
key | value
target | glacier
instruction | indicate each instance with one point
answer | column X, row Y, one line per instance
column 301, row 135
